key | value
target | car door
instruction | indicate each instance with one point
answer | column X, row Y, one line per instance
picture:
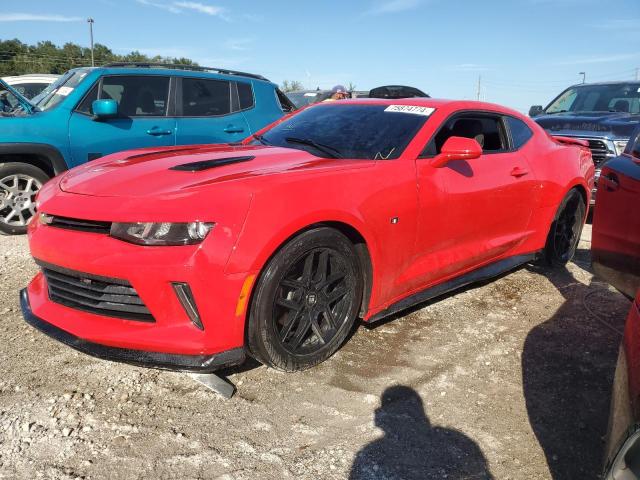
column 209, row 112
column 143, row 117
column 616, row 221
column 485, row 202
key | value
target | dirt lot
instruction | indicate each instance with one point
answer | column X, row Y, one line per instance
column 509, row 379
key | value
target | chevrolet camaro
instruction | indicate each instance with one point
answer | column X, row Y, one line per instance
column 192, row 257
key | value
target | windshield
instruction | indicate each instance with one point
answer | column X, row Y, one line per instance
column 302, row 99
column 350, row 131
column 621, row 97
column 57, row 91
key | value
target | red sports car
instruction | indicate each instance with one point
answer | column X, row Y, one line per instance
column 192, row 257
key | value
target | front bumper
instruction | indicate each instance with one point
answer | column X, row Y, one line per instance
column 169, row 361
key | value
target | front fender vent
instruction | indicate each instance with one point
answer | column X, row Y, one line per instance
column 207, row 164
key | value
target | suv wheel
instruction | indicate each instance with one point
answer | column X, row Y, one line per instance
column 19, row 184
column 306, row 301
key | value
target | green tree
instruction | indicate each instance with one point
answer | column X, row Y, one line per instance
column 291, row 86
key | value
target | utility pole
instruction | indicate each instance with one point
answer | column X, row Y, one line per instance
column 90, row 22
column 584, row 76
column 479, row 87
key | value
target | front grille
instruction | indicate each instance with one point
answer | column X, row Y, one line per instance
column 111, row 297
column 599, row 150
column 77, row 224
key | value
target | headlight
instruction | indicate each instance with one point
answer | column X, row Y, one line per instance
column 161, row 233
column 620, row 146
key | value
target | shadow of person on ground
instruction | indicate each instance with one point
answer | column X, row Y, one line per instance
column 568, row 363
column 412, row 448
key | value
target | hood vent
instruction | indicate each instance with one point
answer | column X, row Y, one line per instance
column 207, row 164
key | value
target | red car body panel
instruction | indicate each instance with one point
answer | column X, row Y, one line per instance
column 448, row 221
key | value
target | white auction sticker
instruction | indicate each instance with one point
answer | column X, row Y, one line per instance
column 416, row 110
column 310, row 94
column 64, row 91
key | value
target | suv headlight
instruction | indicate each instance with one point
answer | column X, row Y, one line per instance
column 620, row 146
column 161, row 233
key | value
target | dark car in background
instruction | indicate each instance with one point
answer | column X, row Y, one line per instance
column 396, row 91
column 616, row 258
column 603, row 114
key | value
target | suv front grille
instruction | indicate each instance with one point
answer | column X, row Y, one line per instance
column 110, row 297
column 599, row 150
column 77, row 224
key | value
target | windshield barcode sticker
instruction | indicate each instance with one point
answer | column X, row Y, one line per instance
column 414, row 109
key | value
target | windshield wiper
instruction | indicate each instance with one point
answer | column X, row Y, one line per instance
column 332, row 152
column 559, row 111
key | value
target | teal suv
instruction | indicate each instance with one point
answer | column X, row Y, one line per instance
column 91, row 112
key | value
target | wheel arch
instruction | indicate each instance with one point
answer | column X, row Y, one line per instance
column 46, row 157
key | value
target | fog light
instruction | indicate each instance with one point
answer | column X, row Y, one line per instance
column 183, row 292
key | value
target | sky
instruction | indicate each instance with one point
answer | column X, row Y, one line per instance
column 524, row 52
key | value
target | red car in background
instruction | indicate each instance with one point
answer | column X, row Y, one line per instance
column 191, row 257
column 616, row 258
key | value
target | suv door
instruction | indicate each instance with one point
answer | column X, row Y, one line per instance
column 208, row 111
column 142, row 121
column 487, row 203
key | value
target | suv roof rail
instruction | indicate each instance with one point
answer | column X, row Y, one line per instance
column 182, row 66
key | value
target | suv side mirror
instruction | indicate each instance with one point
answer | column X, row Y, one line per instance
column 103, row 109
column 536, row 110
column 457, row 148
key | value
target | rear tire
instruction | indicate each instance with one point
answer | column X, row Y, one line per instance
column 306, row 301
column 565, row 230
column 19, row 184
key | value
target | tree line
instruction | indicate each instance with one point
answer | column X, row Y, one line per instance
column 17, row 58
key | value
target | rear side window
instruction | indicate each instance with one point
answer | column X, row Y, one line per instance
column 245, row 94
column 205, row 98
column 520, row 132
column 285, row 104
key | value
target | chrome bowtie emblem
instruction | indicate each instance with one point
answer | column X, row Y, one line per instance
column 312, row 299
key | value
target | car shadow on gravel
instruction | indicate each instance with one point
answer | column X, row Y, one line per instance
column 568, row 364
column 412, row 448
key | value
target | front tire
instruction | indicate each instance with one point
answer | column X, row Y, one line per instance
column 19, row 184
column 565, row 230
column 306, row 301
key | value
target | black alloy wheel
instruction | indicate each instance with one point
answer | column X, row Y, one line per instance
column 306, row 301
column 566, row 229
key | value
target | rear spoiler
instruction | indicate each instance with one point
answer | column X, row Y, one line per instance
column 571, row 141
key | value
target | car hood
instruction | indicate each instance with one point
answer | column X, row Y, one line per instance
column 150, row 172
column 611, row 124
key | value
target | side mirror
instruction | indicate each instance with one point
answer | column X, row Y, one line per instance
column 103, row 109
column 536, row 110
column 457, row 148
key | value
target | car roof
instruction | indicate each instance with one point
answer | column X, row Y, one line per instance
column 617, row 82
column 175, row 69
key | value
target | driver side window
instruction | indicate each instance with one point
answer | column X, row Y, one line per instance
column 487, row 130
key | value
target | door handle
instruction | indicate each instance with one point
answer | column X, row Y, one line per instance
column 609, row 182
column 519, row 172
column 234, row 129
column 156, row 132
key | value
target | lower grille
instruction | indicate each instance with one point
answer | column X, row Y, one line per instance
column 110, row 297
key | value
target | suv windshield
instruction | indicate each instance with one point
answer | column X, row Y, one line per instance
column 348, row 131
column 57, row 91
column 620, row 97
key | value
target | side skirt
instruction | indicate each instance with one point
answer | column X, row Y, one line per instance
column 483, row 273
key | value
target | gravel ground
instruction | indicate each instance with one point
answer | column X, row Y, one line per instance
column 508, row 380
